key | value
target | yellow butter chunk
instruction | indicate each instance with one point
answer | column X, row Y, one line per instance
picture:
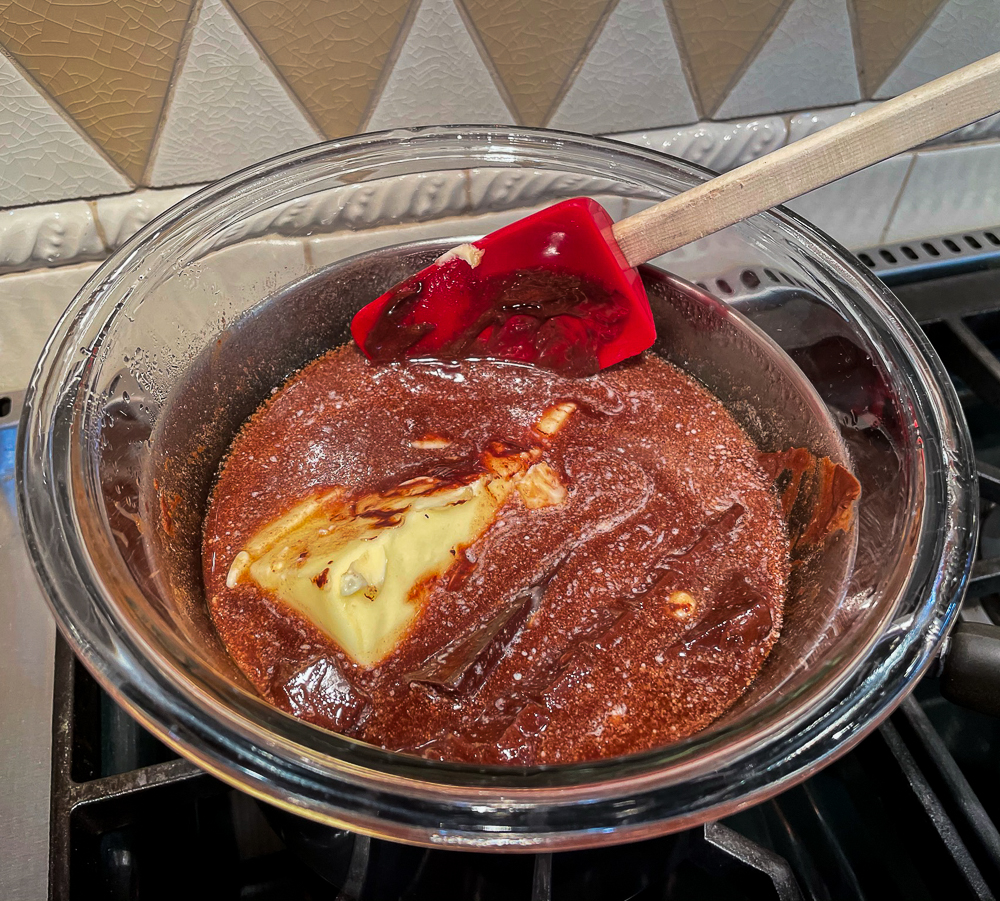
column 357, row 569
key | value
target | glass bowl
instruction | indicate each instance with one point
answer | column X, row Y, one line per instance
column 185, row 330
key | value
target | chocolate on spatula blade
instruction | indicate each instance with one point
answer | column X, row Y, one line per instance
column 552, row 289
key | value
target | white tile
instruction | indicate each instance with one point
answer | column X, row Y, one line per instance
column 856, row 209
column 228, row 109
column 716, row 145
column 962, row 32
column 30, row 305
column 807, row 61
column 246, row 273
column 439, row 78
column 42, row 157
column 949, row 190
column 217, row 289
column 632, row 78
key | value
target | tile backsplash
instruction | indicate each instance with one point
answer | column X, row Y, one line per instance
column 105, row 97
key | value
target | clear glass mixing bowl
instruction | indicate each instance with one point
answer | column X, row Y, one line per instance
column 170, row 346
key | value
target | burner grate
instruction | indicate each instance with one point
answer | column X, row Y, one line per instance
column 958, row 312
column 895, row 818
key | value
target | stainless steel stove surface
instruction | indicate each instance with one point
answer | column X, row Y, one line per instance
column 94, row 807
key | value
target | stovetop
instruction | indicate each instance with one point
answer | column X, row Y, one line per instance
column 94, row 807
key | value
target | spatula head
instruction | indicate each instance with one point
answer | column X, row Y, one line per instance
column 552, row 289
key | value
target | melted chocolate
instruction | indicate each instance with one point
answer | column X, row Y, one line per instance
column 631, row 614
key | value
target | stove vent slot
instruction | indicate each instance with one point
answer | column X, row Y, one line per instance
column 904, row 261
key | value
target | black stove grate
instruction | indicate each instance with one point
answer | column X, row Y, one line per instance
column 910, row 813
column 895, row 818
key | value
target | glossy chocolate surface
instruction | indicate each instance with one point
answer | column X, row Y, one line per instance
column 631, row 614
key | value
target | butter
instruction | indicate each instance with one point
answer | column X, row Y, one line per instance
column 359, row 568
column 541, row 487
column 682, row 604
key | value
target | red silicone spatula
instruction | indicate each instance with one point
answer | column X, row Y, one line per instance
column 559, row 288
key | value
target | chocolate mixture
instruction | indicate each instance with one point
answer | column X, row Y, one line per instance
column 630, row 614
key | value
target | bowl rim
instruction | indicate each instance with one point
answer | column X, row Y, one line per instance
column 494, row 812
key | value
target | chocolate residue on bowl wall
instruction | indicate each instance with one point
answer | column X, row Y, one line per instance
column 817, row 495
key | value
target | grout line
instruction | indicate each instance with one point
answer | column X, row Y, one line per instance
column 467, row 188
column 87, row 198
column 582, row 56
column 395, row 51
column 194, row 13
column 682, row 51
column 283, row 82
column 61, row 111
column 859, row 67
column 484, row 55
column 788, row 114
column 99, row 226
column 678, row 38
column 748, row 60
column 899, row 196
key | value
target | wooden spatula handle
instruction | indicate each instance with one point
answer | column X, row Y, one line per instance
column 891, row 127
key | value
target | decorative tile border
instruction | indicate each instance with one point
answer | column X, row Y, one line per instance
column 75, row 231
column 50, row 234
column 122, row 216
column 716, row 145
column 57, row 234
column 723, row 145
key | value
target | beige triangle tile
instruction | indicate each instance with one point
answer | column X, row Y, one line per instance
column 439, row 77
column 632, row 78
column 962, row 32
column 42, row 156
column 719, row 37
column 807, row 61
column 885, row 29
column 331, row 54
column 228, row 108
column 108, row 63
column 534, row 46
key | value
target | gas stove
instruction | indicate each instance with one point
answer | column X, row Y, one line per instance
column 95, row 807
